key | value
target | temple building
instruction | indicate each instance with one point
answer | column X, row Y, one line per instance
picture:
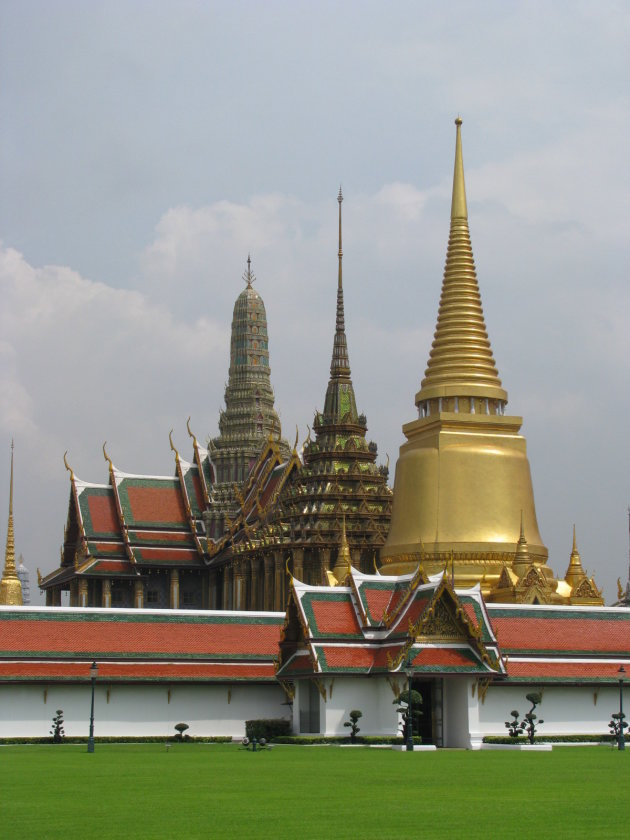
column 249, row 416
column 463, row 495
column 225, row 530
column 143, row 541
column 220, row 532
column 287, row 614
column 303, row 512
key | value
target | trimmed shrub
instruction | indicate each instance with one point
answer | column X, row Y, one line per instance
column 269, row 728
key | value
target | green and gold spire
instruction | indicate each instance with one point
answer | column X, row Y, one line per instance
column 340, row 403
column 10, row 586
column 461, row 365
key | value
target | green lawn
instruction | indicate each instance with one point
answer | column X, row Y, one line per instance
column 217, row 790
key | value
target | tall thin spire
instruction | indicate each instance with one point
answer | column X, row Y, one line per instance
column 461, row 363
column 340, row 403
column 10, row 586
column 340, row 364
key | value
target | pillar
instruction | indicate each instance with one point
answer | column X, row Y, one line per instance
column 253, row 584
column 138, row 594
column 174, row 589
column 268, row 583
column 239, row 586
column 212, row 590
column 278, row 599
column 83, row 592
column 56, row 596
column 225, row 605
column 298, row 563
column 106, row 597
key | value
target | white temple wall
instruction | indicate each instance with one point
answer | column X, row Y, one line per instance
column 373, row 696
column 566, row 710
column 140, row 709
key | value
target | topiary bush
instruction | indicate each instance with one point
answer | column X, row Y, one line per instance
column 355, row 714
column 181, row 728
column 57, row 730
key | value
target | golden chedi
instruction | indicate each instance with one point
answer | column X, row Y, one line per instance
column 463, row 492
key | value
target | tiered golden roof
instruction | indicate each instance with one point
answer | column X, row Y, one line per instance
column 463, row 495
column 461, row 363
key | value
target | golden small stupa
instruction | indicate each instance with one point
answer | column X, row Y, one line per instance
column 463, row 495
column 10, row 586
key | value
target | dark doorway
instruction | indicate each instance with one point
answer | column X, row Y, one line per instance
column 429, row 725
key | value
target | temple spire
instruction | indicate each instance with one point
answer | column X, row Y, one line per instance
column 340, row 404
column 461, row 364
column 10, row 586
column 575, row 571
column 340, row 364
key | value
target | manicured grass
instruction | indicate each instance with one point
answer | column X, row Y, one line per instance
column 217, row 790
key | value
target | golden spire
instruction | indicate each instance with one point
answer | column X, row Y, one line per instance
column 461, row 363
column 341, row 569
column 522, row 558
column 10, row 586
column 575, row 572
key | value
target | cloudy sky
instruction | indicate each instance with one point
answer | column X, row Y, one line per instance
column 146, row 148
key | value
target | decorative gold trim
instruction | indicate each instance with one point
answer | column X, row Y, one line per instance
column 321, row 687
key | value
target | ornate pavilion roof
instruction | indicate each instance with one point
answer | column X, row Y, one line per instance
column 379, row 624
column 137, row 521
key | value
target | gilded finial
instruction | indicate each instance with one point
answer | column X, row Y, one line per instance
column 170, row 440
column 190, row 433
column 67, row 465
column 107, row 458
column 297, row 433
column 308, row 437
column 249, row 277
column 459, row 210
column 10, row 586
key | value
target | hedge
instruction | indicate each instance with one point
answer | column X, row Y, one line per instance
column 553, row 739
column 268, row 728
column 367, row 740
column 123, row 739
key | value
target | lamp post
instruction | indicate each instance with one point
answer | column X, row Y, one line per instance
column 93, row 676
column 621, row 743
column 409, row 672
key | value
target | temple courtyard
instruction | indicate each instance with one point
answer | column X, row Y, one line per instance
column 223, row 790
